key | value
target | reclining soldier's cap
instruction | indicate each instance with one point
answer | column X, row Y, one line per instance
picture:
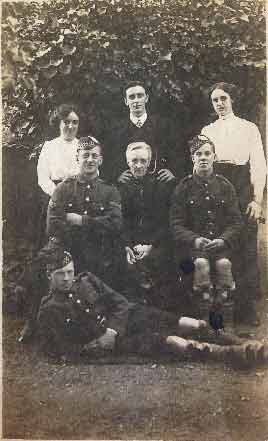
column 54, row 257
column 87, row 143
column 198, row 141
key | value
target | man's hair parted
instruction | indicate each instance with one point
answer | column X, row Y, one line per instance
column 139, row 145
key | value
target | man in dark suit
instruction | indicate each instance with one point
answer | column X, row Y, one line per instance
column 169, row 157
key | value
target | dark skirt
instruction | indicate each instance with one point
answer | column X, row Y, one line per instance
column 246, row 259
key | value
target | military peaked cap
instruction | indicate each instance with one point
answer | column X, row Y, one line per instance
column 87, row 143
column 198, row 141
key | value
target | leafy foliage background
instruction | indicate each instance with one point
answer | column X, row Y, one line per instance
column 85, row 50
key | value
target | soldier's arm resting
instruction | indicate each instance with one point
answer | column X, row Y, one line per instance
column 111, row 220
column 114, row 305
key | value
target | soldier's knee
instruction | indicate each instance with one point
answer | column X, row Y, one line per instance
column 223, row 265
column 201, row 265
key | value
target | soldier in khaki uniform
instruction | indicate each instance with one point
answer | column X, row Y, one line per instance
column 83, row 314
column 206, row 224
column 84, row 215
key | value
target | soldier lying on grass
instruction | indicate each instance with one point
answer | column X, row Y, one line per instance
column 82, row 313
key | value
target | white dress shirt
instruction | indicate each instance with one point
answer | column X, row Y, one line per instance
column 239, row 141
column 135, row 119
column 57, row 161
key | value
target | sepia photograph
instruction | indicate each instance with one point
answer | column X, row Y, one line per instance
column 134, row 220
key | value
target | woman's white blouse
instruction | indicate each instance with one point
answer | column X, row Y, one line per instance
column 239, row 141
column 57, row 161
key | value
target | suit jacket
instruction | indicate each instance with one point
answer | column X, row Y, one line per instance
column 169, row 149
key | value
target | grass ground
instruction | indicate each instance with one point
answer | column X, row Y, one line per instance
column 130, row 398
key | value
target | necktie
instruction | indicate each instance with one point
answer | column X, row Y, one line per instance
column 139, row 123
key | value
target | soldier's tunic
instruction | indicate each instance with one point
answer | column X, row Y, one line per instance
column 95, row 244
column 83, row 314
column 204, row 207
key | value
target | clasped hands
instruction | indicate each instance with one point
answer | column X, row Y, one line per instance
column 74, row 218
column 138, row 252
column 204, row 244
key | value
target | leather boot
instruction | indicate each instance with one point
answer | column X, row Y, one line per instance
column 228, row 316
column 250, row 352
column 225, row 298
column 202, row 299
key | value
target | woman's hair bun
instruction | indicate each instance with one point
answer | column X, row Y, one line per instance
column 61, row 112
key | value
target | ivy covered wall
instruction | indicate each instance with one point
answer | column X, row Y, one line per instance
column 85, row 50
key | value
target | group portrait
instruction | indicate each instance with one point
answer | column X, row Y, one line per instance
column 134, row 220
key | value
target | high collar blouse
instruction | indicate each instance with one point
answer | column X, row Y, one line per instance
column 57, row 161
column 238, row 141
